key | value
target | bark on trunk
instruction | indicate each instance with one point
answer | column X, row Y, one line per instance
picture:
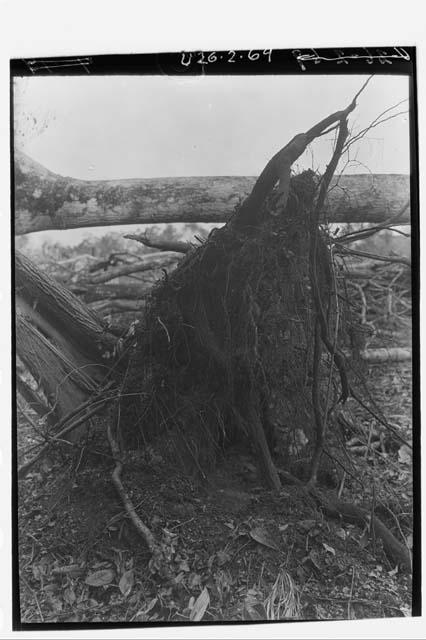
column 61, row 379
column 34, row 401
column 45, row 200
column 389, row 354
column 59, row 339
column 49, row 303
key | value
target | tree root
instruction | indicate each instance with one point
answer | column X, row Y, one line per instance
column 352, row 513
column 159, row 557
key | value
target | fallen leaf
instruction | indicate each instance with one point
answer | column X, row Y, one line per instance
column 194, row 580
column 151, row 605
column 262, row 537
column 69, row 595
column 100, row 578
column 328, row 548
column 253, row 608
column 126, row 583
column 222, row 558
column 183, row 566
column 254, row 611
column 200, row 606
column 404, row 454
column 180, row 576
column 313, row 557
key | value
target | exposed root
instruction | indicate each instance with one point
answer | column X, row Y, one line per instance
column 158, row 560
column 349, row 512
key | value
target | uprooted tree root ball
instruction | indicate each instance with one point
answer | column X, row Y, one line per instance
column 225, row 350
column 242, row 344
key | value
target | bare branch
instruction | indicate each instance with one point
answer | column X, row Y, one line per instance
column 372, row 256
column 376, row 122
column 355, row 236
column 25, row 468
column 152, row 261
column 157, row 243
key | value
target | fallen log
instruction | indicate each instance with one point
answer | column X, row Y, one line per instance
column 68, row 318
column 390, row 354
column 152, row 261
column 95, row 293
column 45, row 200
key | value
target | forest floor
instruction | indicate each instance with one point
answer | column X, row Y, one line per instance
column 237, row 551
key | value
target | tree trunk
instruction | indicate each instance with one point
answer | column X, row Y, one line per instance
column 45, row 200
column 34, row 401
column 60, row 378
column 59, row 339
column 58, row 312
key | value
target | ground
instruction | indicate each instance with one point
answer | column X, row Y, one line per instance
column 237, row 551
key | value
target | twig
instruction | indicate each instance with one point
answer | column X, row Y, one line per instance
column 149, row 262
column 335, row 353
column 362, row 133
column 382, row 421
column 350, row 595
column 89, row 402
column 164, row 327
column 342, row 485
column 25, row 468
column 373, row 513
column 35, row 597
column 372, row 256
column 158, row 243
column 355, row 236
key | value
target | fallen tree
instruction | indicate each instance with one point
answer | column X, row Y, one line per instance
column 45, row 200
column 59, row 339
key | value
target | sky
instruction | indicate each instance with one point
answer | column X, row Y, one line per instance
column 152, row 126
